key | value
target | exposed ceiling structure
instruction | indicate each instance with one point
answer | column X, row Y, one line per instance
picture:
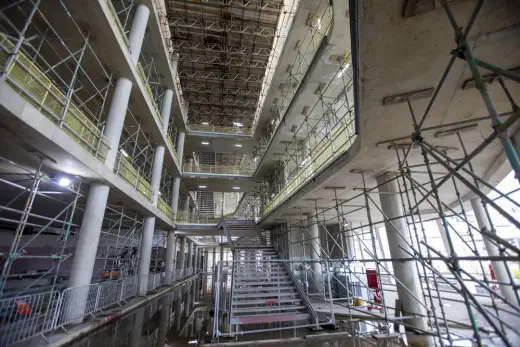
column 224, row 49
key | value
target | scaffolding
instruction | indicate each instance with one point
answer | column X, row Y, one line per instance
column 454, row 247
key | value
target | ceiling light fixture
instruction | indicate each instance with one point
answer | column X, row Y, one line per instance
column 205, row 123
column 202, row 187
column 64, row 182
column 236, row 188
column 238, row 145
column 123, row 152
column 238, row 124
column 205, row 143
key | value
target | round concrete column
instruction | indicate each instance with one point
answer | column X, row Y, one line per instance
column 175, row 196
column 136, row 36
column 181, row 263
column 157, row 166
column 409, row 285
column 180, row 146
column 116, row 118
column 170, row 254
column 85, row 252
column 145, row 254
column 498, row 267
column 166, row 107
column 314, row 244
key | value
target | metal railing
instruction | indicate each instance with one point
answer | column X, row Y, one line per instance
column 311, row 278
column 164, row 207
column 326, row 152
column 219, row 129
column 26, row 317
column 232, row 170
column 26, row 77
column 196, row 218
column 126, row 171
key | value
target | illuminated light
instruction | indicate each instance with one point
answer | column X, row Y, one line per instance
column 123, row 152
column 238, row 124
column 238, row 145
column 343, row 69
column 64, row 182
column 202, row 187
column 205, row 143
column 205, row 123
column 236, row 188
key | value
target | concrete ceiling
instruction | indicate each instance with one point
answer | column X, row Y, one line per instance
column 401, row 55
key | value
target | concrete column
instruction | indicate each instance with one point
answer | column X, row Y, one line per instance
column 294, row 244
column 350, row 244
column 180, row 146
column 190, row 164
column 187, row 304
column 186, row 205
column 166, row 108
column 170, row 254
column 136, row 35
column 190, row 254
column 409, row 285
column 135, row 335
column 444, row 237
column 194, row 283
column 164, row 316
column 86, row 249
column 314, row 244
column 158, row 159
column 145, row 254
column 175, row 196
column 177, row 306
column 182, row 253
column 498, row 266
column 116, row 118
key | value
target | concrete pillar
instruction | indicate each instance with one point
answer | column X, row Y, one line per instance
column 175, row 196
column 187, row 303
column 314, row 244
column 116, row 118
column 164, row 316
column 186, row 205
column 170, row 254
column 409, row 285
column 190, row 254
column 350, row 243
column 444, row 237
column 498, row 266
column 137, row 328
column 137, row 32
column 177, row 306
column 182, row 253
column 180, row 146
column 158, row 159
column 166, row 108
column 145, row 254
column 85, row 253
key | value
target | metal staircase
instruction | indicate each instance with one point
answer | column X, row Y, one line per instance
column 262, row 290
column 263, row 293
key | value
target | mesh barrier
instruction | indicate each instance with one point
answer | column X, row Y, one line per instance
column 28, row 79
column 126, row 171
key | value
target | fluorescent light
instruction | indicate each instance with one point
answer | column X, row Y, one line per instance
column 205, row 143
column 64, row 182
column 236, row 188
column 238, row 124
column 205, row 123
column 343, row 69
column 238, row 145
column 202, row 187
column 160, row 193
column 123, row 152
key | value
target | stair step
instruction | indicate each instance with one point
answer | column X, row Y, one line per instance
column 271, row 318
column 266, row 308
column 255, row 301
column 263, row 295
column 264, row 289
column 262, row 283
column 261, row 278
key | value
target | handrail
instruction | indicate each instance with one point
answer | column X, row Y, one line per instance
column 126, row 171
column 195, row 218
column 219, row 129
column 163, row 206
column 26, row 77
column 218, row 169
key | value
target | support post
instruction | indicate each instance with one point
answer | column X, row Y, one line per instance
column 175, row 196
column 157, row 166
column 166, row 107
column 170, row 253
column 314, row 246
column 182, row 253
column 408, row 284
column 180, row 146
column 145, row 254
column 136, row 36
column 498, row 266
